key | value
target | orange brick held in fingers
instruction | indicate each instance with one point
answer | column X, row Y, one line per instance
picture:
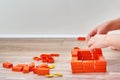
column 81, row 38
column 43, row 71
column 54, row 54
column 26, row 69
column 7, row 65
column 37, row 58
column 17, row 69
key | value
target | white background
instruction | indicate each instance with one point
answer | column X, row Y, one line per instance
column 54, row 17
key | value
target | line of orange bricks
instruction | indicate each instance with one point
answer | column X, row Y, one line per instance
column 87, row 61
column 42, row 69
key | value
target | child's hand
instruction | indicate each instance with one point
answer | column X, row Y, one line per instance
column 100, row 29
column 98, row 41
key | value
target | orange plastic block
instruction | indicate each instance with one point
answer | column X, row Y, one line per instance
column 37, row 58
column 86, row 54
column 97, row 51
column 44, row 59
column 42, row 66
column 100, row 68
column 54, row 54
column 35, row 70
column 17, row 69
column 43, row 71
column 42, row 55
column 95, row 56
column 7, row 65
column 81, row 38
column 31, row 66
column 79, row 55
column 50, row 59
column 26, row 69
column 74, row 52
column 88, row 66
column 100, row 62
column 76, row 65
column 21, row 65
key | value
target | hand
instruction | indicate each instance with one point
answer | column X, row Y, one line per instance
column 105, row 28
column 98, row 41
column 100, row 29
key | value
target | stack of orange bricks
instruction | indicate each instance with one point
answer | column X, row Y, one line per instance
column 87, row 61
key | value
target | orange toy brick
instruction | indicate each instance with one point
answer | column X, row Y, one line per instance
column 100, row 62
column 37, row 58
column 79, row 55
column 42, row 55
column 17, row 69
column 88, row 66
column 100, row 68
column 7, row 65
column 97, row 51
column 54, row 54
column 35, row 70
column 21, row 65
column 74, row 52
column 86, row 54
column 43, row 71
column 76, row 66
column 42, row 66
column 44, row 59
column 81, row 38
column 50, row 59
column 31, row 66
column 26, row 69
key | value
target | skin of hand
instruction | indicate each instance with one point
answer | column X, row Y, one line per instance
column 98, row 41
column 102, row 41
column 105, row 28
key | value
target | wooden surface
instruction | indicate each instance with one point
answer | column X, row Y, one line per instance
column 22, row 51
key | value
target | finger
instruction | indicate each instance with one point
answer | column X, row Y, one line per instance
column 90, row 42
column 92, row 47
column 91, row 34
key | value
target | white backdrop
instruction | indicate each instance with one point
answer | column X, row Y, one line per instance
column 54, row 17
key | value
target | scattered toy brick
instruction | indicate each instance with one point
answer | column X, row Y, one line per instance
column 7, row 65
